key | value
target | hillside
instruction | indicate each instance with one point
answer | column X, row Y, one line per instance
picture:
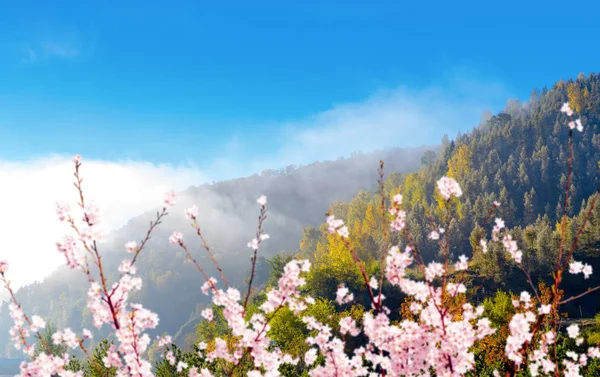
column 518, row 158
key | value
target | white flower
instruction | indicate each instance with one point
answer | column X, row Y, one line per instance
column 573, row 331
column 566, row 109
column 449, row 187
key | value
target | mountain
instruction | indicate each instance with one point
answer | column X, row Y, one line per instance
column 519, row 157
column 298, row 197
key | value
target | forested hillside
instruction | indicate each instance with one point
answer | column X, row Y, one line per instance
column 518, row 158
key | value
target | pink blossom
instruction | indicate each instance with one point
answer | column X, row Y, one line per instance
column 208, row 314
column 311, row 356
column 175, row 238
column 348, row 325
column 170, row 198
column 87, row 334
column 337, row 225
column 576, row 124
column 131, row 246
column 449, row 187
column 181, row 366
column 573, row 331
column 127, row 268
column 343, row 295
column 544, row 309
column 373, row 283
column 3, row 266
column 578, row 267
column 91, row 214
column 208, row 285
column 566, row 109
column 483, row 244
column 164, row 341
column 62, row 210
column 37, row 323
column 433, row 270
column 454, row 289
column 587, row 271
column 575, row 267
column 262, row 200
column 73, row 253
column 399, row 223
column 192, row 212
column 512, row 248
column 171, row 357
column 256, row 241
column 253, row 244
column 463, row 263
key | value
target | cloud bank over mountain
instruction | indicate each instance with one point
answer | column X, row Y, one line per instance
column 123, row 189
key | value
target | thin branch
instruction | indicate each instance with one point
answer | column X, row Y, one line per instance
column 259, row 233
column 384, row 226
column 210, row 253
column 589, row 290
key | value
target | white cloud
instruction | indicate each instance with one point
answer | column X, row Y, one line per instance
column 399, row 117
column 29, row 190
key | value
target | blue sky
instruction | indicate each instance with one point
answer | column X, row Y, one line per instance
column 200, row 82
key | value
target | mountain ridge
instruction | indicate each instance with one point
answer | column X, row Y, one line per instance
column 293, row 206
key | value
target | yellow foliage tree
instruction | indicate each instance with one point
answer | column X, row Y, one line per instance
column 413, row 191
column 459, row 165
column 333, row 265
column 371, row 225
column 575, row 97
